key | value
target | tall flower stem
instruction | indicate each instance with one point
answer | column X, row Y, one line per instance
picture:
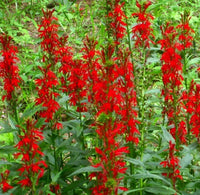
column 186, row 39
column 143, row 36
column 142, row 125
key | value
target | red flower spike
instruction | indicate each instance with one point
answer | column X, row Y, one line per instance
column 172, row 80
column 47, row 83
column 48, row 32
column 172, row 163
column 192, row 100
column 30, row 152
column 127, row 97
column 174, row 99
column 186, row 31
column 108, row 101
column 117, row 25
column 8, row 69
column 143, row 32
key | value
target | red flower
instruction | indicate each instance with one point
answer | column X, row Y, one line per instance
column 8, row 69
column 142, row 32
column 117, row 26
column 31, row 152
column 46, row 94
column 55, row 189
column 25, row 182
column 172, row 163
column 193, row 107
column 4, row 183
column 46, row 85
column 127, row 96
column 172, row 80
column 48, row 32
column 186, row 31
column 108, row 124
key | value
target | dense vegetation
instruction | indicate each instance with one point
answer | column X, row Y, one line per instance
column 100, row 97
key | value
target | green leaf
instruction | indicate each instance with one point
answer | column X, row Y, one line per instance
column 134, row 161
column 167, row 136
column 5, row 163
column 147, row 175
column 74, row 186
column 40, row 122
column 153, row 91
column 12, row 122
column 54, row 177
column 7, row 149
column 135, row 190
column 62, row 101
column 29, row 112
column 84, row 170
column 160, row 190
column 186, row 160
column 6, row 128
column 193, row 61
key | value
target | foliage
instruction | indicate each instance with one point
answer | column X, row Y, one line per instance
column 100, row 97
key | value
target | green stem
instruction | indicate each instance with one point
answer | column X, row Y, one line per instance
column 175, row 103
column 142, row 124
column 141, row 112
column 186, row 87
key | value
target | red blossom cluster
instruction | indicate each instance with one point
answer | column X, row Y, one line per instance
column 46, row 94
column 74, row 77
column 91, row 67
column 117, row 25
column 128, row 100
column 48, row 32
column 142, row 31
column 47, row 84
column 55, row 189
column 172, row 80
column 107, row 127
column 4, row 184
column 192, row 102
column 114, row 99
column 30, row 154
column 8, row 69
column 186, row 31
column 76, row 87
column 172, row 163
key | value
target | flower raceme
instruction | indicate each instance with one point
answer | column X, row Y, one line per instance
column 48, row 33
column 30, row 154
column 47, row 84
column 172, row 163
column 192, row 103
column 74, row 76
column 46, row 94
column 186, row 31
column 143, row 32
column 113, row 93
column 195, row 119
column 128, row 100
column 92, row 67
column 173, row 103
column 117, row 25
column 172, row 80
column 8, row 69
